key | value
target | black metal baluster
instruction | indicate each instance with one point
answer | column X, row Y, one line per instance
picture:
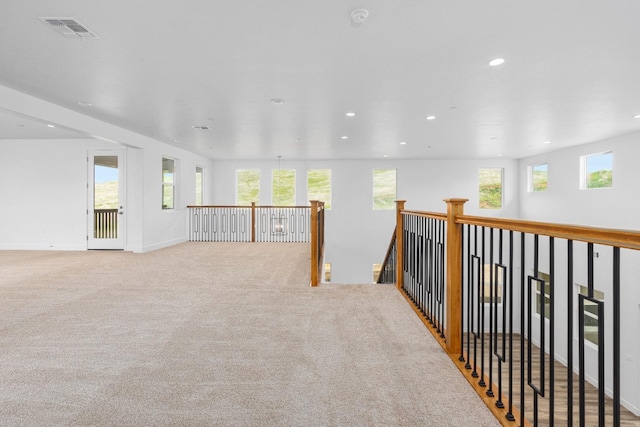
column 616, row 336
column 510, row 415
column 482, row 383
column 523, row 326
column 570, row 333
column 491, row 314
column 469, row 297
column 551, row 329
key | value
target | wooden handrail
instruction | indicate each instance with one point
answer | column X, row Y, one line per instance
column 247, row 206
column 605, row 236
column 434, row 215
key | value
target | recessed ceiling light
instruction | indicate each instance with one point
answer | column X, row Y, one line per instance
column 386, row 155
column 350, row 114
column 85, row 104
column 344, row 137
column 51, row 126
column 637, row 116
column 547, row 142
column 499, row 155
column 403, row 143
column 495, row 62
column 430, row 117
column 176, row 140
column 277, row 101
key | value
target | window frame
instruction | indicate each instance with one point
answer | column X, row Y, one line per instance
column 169, row 184
column 532, row 180
column 585, row 174
column 199, row 186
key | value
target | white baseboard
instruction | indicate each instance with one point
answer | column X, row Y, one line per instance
column 164, row 244
column 43, row 247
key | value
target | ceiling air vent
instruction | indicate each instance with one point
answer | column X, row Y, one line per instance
column 70, row 28
column 201, row 127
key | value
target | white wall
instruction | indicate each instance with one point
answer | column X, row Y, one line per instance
column 51, row 176
column 616, row 207
column 43, row 184
column 356, row 236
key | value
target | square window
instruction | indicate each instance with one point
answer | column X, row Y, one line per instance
column 596, row 171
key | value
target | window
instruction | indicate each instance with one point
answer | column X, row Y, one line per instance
column 247, row 186
column 596, row 171
column 283, row 187
column 319, row 186
column 591, row 313
column 377, row 268
column 327, row 271
column 199, row 186
column 168, row 183
column 538, row 178
column 384, row 189
column 543, row 294
column 490, row 188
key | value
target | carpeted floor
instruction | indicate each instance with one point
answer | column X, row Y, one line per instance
column 214, row 334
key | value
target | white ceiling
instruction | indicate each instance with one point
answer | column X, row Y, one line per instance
column 571, row 76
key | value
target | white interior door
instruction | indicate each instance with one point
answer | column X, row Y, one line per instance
column 106, row 210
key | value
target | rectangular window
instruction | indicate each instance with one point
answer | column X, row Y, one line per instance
column 283, row 187
column 168, row 183
column 384, row 189
column 199, row 186
column 319, row 186
column 327, row 272
column 247, row 186
column 538, row 178
column 596, row 171
column 490, row 188
column 543, row 294
column 377, row 268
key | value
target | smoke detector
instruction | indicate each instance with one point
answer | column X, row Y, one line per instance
column 358, row 16
column 69, row 27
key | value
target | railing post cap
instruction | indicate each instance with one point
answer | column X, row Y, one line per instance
column 455, row 201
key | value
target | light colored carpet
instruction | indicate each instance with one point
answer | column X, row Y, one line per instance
column 204, row 334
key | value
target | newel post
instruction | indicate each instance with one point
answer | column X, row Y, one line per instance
column 314, row 242
column 455, row 207
column 253, row 221
column 399, row 244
